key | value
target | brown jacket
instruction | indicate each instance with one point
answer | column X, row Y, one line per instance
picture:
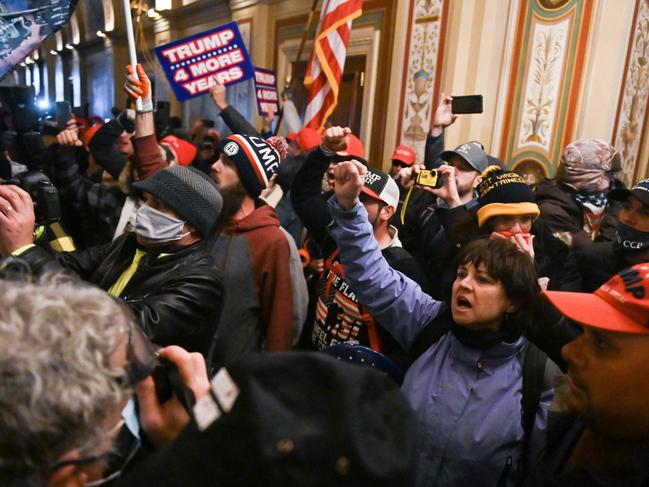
column 266, row 295
column 562, row 214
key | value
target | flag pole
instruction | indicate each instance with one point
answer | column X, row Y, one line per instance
column 300, row 50
column 130, row 38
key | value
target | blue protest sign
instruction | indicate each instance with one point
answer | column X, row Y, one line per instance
column 266, row 91
column 189, row 63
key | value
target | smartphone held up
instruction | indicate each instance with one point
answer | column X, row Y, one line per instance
column 466, row 104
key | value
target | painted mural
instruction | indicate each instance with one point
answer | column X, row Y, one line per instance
column 632, row 112
column 421, row 73
column 543, row 91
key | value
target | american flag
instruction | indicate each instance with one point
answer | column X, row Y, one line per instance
column 328, row 59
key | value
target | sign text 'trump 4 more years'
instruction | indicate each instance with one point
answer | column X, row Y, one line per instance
column 189, row 63
column 266, row 91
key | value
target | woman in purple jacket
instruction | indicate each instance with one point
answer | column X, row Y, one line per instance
column 466, row 387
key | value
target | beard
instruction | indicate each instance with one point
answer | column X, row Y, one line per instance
column 464, row 190
column 233, row 197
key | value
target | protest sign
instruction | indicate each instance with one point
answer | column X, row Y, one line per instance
column 266, row 91
column 189, row 63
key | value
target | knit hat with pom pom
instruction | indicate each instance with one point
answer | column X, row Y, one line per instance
column 504, row 193
column 256, row 159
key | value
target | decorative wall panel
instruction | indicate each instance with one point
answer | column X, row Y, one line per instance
column 543, row 91
column 631, row 119
column 422, row 66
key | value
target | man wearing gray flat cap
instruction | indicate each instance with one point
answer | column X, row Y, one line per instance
column 160, row 271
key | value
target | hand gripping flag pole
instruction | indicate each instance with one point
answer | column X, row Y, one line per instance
column 130, row 38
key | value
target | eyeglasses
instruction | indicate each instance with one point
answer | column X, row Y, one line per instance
column 124, row 448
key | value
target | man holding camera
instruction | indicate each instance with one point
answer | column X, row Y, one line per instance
column 160, row 270
column 69, row 350
column 71, row 357
column 425, row 231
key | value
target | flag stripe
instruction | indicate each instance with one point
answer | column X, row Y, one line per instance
column 327, row 62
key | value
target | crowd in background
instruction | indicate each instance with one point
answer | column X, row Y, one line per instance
column 443, row 323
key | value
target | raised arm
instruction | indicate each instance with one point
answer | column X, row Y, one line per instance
column 307, row 186
column 232, row 118
column 396, row 302
column 148, row 156
column 435, row 138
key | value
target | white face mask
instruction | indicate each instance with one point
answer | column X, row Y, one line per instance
column 157, row 227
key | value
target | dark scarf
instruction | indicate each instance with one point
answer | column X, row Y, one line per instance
column 484, row 339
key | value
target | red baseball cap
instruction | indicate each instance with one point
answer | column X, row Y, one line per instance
column 308, row 139
column 184, row 151
column 89, row 133
column 622, row 304
column 355, row 148
column 404, row 154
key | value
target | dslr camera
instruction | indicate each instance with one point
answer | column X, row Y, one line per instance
column 22, row 139
column 430, row 179
column 44, row 195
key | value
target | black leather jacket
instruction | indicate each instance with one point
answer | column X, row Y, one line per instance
column 176, row 295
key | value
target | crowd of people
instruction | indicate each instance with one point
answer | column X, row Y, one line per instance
column 248, row 309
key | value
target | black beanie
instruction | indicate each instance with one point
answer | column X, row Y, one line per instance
column 504, row 193
column 187, row 191
column 255, row 158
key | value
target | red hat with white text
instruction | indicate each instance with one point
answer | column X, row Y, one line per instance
column 621, row 304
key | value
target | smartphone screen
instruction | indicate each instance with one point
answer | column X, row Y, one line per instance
column 63, row 113
column 467, row 104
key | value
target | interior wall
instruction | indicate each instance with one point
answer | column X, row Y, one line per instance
column 480, row 53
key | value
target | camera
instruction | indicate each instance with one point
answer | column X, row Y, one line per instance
column 168, row 383
column 430, row 179
column 21, row 136
column 44, row 195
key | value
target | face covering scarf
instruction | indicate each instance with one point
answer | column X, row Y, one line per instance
column 629, row 240
column 594, row 205
column 157, row 227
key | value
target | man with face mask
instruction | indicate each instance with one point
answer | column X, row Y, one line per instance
column 575, row 205
column 160, row 270
column 598, row 262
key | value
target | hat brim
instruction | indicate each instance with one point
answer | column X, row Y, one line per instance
column 621, row 194
column 145, row 185
column 371, row 193
column 592, row 310
column 512, row 209
column 401, row 161
column 447, row 154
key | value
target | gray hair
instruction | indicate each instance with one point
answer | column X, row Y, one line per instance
column 57, row 385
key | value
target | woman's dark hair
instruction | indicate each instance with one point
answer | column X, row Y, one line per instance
column 511, row 267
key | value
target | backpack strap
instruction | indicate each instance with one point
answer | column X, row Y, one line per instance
column 539, row 373
column 372, row 329
column 533, row 375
